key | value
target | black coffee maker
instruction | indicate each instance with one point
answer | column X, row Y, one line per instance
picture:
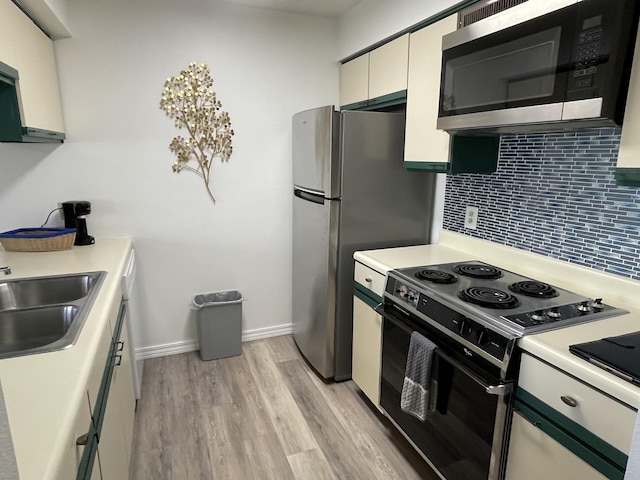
column 74, row 217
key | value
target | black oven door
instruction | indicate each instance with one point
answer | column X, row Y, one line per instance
column 464, row 437
column 523, row 66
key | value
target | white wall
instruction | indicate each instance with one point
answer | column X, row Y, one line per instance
column 266, row 66
column 373, row 20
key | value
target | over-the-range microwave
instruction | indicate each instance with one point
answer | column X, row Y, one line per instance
column 543, row 65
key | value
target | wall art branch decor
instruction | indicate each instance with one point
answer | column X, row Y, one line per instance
column 189, row 99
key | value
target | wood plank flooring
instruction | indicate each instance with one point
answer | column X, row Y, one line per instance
column 261, row 415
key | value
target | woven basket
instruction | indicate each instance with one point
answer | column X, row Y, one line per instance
column 38, row 239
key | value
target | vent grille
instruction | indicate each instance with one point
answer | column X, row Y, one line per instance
column 488, row 10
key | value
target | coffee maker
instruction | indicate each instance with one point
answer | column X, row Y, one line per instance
column 74, row 217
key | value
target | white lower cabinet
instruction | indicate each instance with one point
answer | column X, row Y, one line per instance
column 534, row 455
column 367, row 348
column 564, row 429
column 367, row 332
column 111, row 402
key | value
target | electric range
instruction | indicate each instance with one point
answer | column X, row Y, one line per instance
column 487, row 308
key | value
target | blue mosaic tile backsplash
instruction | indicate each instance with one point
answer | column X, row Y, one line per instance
column 556, row 195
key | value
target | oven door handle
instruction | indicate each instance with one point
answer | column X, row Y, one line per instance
column 500, row 389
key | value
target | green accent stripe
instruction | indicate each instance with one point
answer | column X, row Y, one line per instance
column 355, row 106
column 8, row 71
column 389, row 100
column 628, row 177
column 437, row 167
column 367, row 296
column 601, row 455
column 414, row 28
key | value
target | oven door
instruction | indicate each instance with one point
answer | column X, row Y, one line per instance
column 465, row 436
column 515, row 75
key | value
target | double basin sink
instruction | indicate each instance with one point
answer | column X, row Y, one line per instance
column 45, row 314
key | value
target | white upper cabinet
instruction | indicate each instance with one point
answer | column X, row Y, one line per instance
column 24, row 47
column 354, row 80
column 376, row 74
column 388, row 67
column 424, row 143
column 628, row 167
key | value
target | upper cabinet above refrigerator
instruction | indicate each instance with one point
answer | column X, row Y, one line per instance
column 376, row 79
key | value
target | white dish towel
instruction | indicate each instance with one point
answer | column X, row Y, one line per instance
column 633, row 464
column 416, row 388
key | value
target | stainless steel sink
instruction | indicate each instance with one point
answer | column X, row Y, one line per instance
column 45, row 314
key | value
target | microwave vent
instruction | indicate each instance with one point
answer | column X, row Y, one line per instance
column 487, row 8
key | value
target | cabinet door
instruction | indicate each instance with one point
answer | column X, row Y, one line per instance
column 424, row 143
column 9, row 19
column 388, row 66
column 628, row 167
column 38, row 87
column 114, row 446
column 354, row 80
column 534, row 455
column 367, row 349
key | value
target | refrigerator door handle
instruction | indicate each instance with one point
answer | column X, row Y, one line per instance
column 309, row 195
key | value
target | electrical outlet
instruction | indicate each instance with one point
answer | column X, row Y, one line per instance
column 471, row 218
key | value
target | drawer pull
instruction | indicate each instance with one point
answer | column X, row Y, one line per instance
column 368, row 280
column 117, row 361
column 572, row 402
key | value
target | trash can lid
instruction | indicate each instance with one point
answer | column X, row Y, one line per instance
column 217, row 298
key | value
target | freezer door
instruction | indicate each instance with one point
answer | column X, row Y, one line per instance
column 314, row 278
column 316, row 165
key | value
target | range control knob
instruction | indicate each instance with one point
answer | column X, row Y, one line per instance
column 538, row 316
column 597, row 304
column 483, row 336
column 584, row 307
column 554, row 313
column 466, row 328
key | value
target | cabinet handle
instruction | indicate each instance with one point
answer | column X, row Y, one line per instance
column 83, row 439
column 118, row 360
column 368, row 280
column 572, row 402
column 120, row 346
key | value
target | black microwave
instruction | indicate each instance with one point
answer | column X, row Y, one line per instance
column 539, row 66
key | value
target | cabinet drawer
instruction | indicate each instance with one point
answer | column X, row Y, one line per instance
column 368, row 277
column 601, row 415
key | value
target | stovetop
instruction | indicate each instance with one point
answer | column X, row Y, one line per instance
column 508, row 302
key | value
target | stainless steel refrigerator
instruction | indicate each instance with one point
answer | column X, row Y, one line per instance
column 350, row 192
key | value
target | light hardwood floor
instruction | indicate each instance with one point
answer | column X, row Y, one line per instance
column 261, row 415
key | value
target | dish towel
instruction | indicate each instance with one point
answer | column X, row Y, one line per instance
column 416, row 388
column 633, row 464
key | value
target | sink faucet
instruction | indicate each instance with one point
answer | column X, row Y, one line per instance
column 6, row 270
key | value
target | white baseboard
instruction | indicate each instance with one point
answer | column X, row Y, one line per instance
column 193, row 345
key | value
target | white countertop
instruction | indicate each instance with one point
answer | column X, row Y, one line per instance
column 43, row 392
column 552, row 346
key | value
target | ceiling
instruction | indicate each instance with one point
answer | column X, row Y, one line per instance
column 324, row 8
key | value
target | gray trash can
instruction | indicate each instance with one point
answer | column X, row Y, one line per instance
column 219, row 324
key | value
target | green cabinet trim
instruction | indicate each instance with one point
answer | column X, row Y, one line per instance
column 628, row 177
column 602, row 456
column 414, row 28
column 474, row 154
column 396, row 98
column 468, row 154
column 435, row 167
column 366, row 295
column 97, row 416
column 355, row 106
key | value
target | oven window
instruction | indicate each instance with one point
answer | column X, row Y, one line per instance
column 457, row 438
column 502, row 75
